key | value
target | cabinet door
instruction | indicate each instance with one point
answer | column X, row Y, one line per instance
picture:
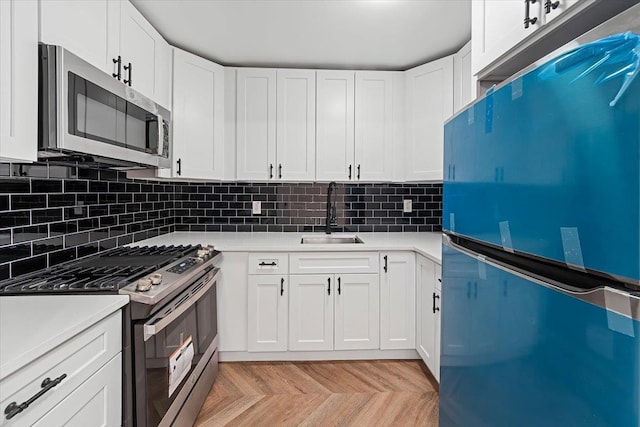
column 426, row 318
column 374, row 126
column 296, row 127
column 562, row 5
column 357, row 319
column 429, row 91
column 311, row 312
column 398, row 301
column 96, row 402
column 18, row 80
column 268, row 313
column 146, row 52
column 437, row 326
column 335, row 121
column 88, row 28
column 463, row 81
column 497, row 26
column 256, row 124
column 198, row 110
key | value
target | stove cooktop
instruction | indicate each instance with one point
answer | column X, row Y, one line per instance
column 104, row 273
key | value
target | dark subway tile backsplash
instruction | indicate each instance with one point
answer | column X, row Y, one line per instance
column 54, row 213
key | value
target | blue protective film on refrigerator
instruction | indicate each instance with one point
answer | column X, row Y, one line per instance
column 517, row 353
column 555, row 162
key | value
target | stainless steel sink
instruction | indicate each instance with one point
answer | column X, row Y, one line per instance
column 330, row 239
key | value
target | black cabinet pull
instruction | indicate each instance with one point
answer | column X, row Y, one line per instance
column 338, row 286
column 358, row 171
column 280, row 171
column 270, row 171
column 329, row 286
column 349, row 171
column 282, row 286
column 130, row 69
column 528, row 20
column 14, row 409
column 179, row 171
column 386, row 263
column 439, row 280
column 550, row 5
column 272, row 264
column 435, row 308
column 118, row 61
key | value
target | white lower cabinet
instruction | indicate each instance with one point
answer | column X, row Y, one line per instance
column 268, row 312
column 97, row 402
column 398, row 295
column 311, row 312
column 357, row 312
column 89, row 392
column 428, row 314
column 334, row 312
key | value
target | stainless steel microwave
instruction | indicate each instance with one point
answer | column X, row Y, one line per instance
column 84, row 111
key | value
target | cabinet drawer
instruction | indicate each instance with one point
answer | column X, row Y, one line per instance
column 96, row 402
column 334, row 262
column 269, row 263
column 79, row 358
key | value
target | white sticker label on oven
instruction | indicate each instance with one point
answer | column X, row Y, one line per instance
column 180, row 364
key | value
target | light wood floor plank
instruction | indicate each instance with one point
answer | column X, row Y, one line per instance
column 340, row 393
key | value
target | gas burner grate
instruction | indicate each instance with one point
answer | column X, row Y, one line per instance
column 105, row 272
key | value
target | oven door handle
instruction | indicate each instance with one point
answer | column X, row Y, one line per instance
column 157, row 323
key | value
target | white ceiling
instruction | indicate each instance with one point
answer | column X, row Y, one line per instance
column 353, row 34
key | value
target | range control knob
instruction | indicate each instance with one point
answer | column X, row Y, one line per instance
column 155, row 278
column 143, row 285
column 202, row 253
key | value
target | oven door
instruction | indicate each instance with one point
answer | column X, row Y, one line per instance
column 173, row 342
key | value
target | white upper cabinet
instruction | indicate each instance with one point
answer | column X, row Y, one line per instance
column 89, row 29
column 145, row 54
column 198, row 117
column 18, row 80
column 398, row 300
column 463, row 80
column 551, row 9
column 429, row 95
column 499, row 25
column 256, row 124
column 373, row 126
column 357, row 312
column 103, row 31
column 296, row 125
column 335, row 126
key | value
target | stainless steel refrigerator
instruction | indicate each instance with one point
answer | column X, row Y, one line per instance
column 541, row 260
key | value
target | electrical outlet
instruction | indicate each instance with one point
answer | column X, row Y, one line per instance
column 257, row 207
column 407, row 206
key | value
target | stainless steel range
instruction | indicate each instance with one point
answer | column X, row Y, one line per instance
column 170, row 334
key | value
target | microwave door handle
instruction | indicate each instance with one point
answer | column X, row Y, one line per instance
column 153, row 326
column 160, row 148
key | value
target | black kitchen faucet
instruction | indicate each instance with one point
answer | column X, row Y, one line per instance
column 332, row 217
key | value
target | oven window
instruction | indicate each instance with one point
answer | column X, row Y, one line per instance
column 197, row 325
column 100, row 115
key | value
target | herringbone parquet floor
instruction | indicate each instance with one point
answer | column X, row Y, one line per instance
column 350, row 393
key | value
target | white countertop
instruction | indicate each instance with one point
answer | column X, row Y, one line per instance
column 427, row 244
column 32, row 325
